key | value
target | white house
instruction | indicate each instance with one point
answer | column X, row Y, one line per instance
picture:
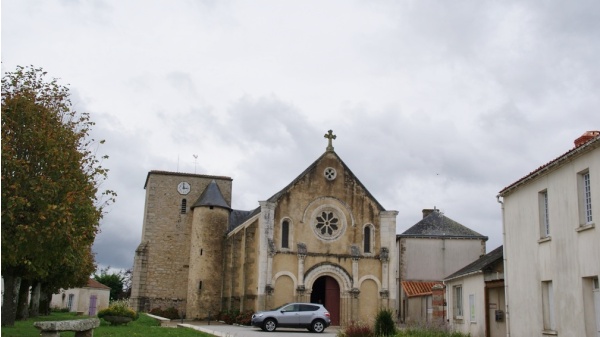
column 475, row 297
column 87, row 300
column 434, row 247
column 552, row 245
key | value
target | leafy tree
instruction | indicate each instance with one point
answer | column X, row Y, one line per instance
column 116, row 282
column 51, row 203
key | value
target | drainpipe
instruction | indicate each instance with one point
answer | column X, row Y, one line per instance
column 504, row 257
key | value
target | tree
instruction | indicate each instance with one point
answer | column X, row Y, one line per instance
column 116, row 282
column 51, row 202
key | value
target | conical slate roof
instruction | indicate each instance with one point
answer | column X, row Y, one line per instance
column 212, row 196
column 436, row 224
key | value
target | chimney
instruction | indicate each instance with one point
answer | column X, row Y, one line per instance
column 427, row 211
column 588, row 135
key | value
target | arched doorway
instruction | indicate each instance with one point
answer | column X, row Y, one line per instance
column 326, row 291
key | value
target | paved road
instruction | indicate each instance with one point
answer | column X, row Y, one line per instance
column 246, row 331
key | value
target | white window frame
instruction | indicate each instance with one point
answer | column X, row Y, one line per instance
column 548, row 306
column 544, row 214
column 585, row 198
column 457, row 292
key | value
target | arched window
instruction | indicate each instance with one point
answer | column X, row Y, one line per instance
column 367, row 239
column 285, row 234
column 183, row 206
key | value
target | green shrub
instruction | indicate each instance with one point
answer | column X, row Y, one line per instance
column 356, row 329
column 384, row 323
column 118, row 308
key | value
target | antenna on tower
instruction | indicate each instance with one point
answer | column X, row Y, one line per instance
column 195, row 161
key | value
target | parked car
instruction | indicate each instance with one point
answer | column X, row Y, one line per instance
column 311, row 316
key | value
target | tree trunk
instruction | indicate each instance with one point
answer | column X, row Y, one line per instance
column 23, row 304
column 34, row 307
column 44, row 301
column 12, row 283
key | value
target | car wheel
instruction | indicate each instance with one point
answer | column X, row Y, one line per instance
column 317, row 326
column 270, row 325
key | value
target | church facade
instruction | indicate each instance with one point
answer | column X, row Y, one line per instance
column 323, row 238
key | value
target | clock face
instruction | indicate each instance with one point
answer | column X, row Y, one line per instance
column 183, row 187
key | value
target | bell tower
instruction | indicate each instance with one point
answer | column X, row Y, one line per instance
column 209, row 226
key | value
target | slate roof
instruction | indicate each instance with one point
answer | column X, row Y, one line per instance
column 479, row 265
column 564, row 158
column 436, row 224
column 211, row 196
column 418, row 288
column 237, row 217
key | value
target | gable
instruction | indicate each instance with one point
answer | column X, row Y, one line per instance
column 315, row 175
column 327, row 209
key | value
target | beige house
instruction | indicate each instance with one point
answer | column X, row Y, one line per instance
column 87, row 300
column 475, row 297
column 552, row 245
column 433, row 248
column 323, row 238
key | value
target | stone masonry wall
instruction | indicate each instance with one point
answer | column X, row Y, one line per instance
column 162, row 280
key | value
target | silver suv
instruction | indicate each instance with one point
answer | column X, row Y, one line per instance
column 312, row 316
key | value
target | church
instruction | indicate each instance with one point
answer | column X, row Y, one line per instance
column 323, row 238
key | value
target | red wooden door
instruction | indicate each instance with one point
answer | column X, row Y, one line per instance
column 332, row 299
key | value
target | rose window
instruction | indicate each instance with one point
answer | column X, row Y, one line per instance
column 330, row 173
column 327, row 223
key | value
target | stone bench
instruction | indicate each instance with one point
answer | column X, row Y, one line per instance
column 82, row 327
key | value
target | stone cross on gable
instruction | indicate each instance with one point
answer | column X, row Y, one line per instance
column 330, row 137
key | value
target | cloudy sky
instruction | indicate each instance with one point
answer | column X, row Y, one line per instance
column 434, row 103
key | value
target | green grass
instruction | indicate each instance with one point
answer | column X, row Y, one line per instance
column 144, row 326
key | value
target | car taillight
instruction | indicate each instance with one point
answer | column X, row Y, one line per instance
column 327, row 314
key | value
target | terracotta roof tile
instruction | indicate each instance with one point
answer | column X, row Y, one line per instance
column 418, row 288
column 95, row 284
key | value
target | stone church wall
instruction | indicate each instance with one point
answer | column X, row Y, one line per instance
column 239, row 279
column 327, row 210
column 161, row 265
